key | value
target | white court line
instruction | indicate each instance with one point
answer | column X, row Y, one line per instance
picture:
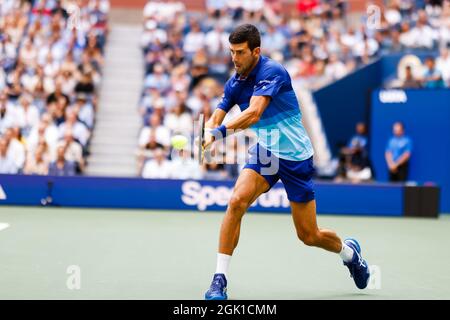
column 3, row 226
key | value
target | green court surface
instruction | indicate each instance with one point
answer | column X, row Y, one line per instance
column 138, row 254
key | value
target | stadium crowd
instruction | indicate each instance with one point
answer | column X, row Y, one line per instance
column 51, row 56
column 187, row 60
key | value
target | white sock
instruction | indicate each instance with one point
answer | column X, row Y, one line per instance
column 223, row 261
column 346, row 253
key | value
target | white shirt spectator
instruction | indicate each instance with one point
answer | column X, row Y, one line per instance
column 443, row 64
column 151, row 34
column 179, row 123
column 336, row 70
column 68, row 84
column 7, row 165
column 2, row 78
column 193, row 42
column 51, row 137
column 370, row 45
column 168, row 10
column 74, row 151
column 274, row 40
column 28, row 53
column 27, row 118
column 162, row 136
column 157, row 170
column 161, row 81
column 86, row 114
column 216, row 41
column 16, row 151
column 29, row 81
column 350, row 39
column 79, row 131
column 216, row 4
column 8, row 50
column 7, row 117
column 253, row 5
column 393, row 16
column 185, row 168
column 151, row 9
column 59, row 50
column 234, row 4
column 419, row 37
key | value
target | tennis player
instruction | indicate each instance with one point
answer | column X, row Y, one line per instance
column 262, row 89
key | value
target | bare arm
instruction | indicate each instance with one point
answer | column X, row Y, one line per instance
column 248, row 117
column 390, row 162
column 216, row 119
column 405, row 157
column 251, row 115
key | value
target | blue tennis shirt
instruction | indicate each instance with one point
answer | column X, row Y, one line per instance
column 280, row 129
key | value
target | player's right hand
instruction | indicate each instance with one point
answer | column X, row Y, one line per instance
column 208, row 139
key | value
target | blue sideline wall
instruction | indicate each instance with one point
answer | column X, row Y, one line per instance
column 371, row 199
column 343, row 103
column 426, row 115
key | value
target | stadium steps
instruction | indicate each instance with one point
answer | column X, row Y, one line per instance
column 313, row 125
column 113, row 144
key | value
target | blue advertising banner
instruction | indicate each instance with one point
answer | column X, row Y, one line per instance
column 201, row 195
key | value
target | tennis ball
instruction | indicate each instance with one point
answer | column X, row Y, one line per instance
column 179, row 141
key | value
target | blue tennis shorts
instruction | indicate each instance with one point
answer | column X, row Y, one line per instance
column 295, row 175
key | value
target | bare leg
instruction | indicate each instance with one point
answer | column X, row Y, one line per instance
column 249, row 186
column 304, row 215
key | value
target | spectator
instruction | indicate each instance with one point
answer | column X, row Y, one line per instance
column 410, row 81
column 73, row 151
column 398, row 153
column 16, row 150
column 354, row 156
column 7, row 163
column 37, row 162
column 85, row 110
column 335, row 69
column 158, row 79
column 78, row 129
column 157, row 168
column 194, row 40
column 443, row 65
column 184, row 166
column 432, row 77
column 179, row 120
column 61, row 167
column 155, row 129
column 27, row 114
column 7, row 113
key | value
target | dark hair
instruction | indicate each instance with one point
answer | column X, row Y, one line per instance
column 246, row 33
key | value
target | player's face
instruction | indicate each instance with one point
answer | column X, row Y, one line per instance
column 243, row 58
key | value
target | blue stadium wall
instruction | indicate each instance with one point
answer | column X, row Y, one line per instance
column 347, row 101
column 426, row 114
